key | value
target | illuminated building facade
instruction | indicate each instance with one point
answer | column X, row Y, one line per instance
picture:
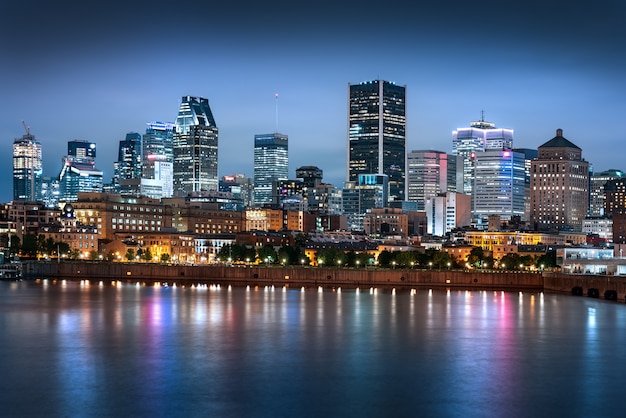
column 112, row 213
column 615, row 197
column 81, row 149
column 529, row 156
column 597, row 192
column 158, row 156
column 128, row 164
column 479, row 137
column 50, row 191
column 202, row 217
column 79, row 173
column 430, row 173
column 27, row 168
column 79, row 237
column 271, row 164
column 386, row 221
column 499, row 185
column 371, row 191
column 446, row 212
column 77, row 177
column 195, row 147
column 289, row 194
column 377, row 133
column 559, row 186
column 240, row 187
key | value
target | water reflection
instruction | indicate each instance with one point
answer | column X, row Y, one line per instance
column 160, row 350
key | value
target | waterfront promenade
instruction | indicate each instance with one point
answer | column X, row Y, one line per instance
column 296, row 277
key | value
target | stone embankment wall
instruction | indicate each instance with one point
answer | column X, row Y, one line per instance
column 286, row 276
column 564, row 283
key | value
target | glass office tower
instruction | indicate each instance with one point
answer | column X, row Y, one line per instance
column 499, row 185
column 195, row 147
column 377, row 133
column 27, row 168
column 81, row 149
column 158, row 156
column 271, row 164
column 479, row 137
column 128, row 164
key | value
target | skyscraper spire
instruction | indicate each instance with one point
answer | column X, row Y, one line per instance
column 276, row 102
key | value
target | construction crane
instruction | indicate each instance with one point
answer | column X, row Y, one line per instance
column 26, row 127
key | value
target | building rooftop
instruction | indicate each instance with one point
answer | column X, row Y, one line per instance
column 559, row 142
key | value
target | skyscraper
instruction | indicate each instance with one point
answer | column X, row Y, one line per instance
column 430, row 173
column 479, row 137
column 128, row 164
column 377, row 133
column 27, row 168
column 559, row 186
column 597, row 192
column 80, row 149
column 529, row 156
column 271, row 164
column 79, row 172
column 195, row 147
column 499, row 185
column 158, row 156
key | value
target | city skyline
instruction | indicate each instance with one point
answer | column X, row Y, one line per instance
column 97, row 74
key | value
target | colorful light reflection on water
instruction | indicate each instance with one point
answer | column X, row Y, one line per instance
column 112, row 349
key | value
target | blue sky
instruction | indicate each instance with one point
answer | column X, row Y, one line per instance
column 73, row 70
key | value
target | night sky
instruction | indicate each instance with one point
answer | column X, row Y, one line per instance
column 73, row 70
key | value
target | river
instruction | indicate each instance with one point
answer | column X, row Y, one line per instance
column 70, row 348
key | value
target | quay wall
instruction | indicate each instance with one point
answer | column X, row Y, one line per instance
column 286, row 276
column 563, row 283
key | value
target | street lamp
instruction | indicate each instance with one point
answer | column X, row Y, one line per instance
column 393, row 263
column 448, row 265
column 430, row 265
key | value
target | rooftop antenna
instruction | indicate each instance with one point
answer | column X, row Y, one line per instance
column 276, row 102
column 482, row 115
column 26, row 127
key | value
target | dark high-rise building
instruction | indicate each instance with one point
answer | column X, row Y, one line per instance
column 27, row 168
column 529, row 156
column 311, row 176
column 78, row 172
column 597, row 191
column 559, row 193
column 195, row 147
column 271, row 164
column 377, row 133
column 158, row 156
column 128, row 164
column 81, row 149
column 615, row 197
